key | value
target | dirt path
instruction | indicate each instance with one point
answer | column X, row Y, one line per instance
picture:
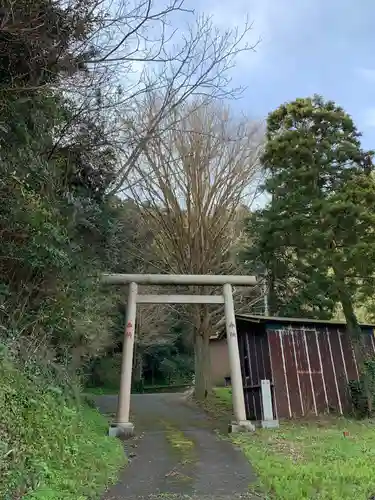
column 176, row 454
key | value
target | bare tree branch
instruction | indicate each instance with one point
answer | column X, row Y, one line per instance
column 199, row 66
column 195, row 181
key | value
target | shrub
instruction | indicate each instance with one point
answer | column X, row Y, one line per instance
column 362, row 391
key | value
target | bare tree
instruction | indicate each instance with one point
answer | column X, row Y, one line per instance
column 113, row 57
column 195, row 179
column 198, row 64
column 156, row 58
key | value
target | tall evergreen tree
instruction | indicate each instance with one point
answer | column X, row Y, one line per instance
column 316, row 235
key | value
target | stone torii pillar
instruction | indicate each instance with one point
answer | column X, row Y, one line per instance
column 123, row 409
column 123, row 426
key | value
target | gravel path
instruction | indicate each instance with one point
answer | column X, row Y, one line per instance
column 176, row 455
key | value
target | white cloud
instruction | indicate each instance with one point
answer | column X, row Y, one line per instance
column 274, row 23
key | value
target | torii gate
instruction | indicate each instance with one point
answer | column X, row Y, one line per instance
column 122, row 425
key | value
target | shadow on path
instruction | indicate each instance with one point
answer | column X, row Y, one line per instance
column 176, row 455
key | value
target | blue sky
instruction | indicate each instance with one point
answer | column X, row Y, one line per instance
column 306, row 47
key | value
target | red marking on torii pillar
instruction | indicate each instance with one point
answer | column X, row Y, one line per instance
column 129, row 329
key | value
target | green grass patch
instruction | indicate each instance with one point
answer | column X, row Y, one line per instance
column 309, row 460
column 219, row 403
column 100, row 391
column 224, row 396
column 153, row 389
column 50, row 448
column 302, row 461
column 218, row 407
column 148, row 389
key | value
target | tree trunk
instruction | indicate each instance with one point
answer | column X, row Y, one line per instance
column 138, row 369
column 358, row 344
column 273, row 308
column 353, row 328
column 202, row 366
column 350, row 317
column 356, row 337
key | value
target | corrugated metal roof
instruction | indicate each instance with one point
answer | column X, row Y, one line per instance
column 253, row 318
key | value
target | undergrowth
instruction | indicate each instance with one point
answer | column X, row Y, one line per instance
column 51, row 448
column 330, row 459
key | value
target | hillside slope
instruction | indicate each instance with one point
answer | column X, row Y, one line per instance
column 51, row 448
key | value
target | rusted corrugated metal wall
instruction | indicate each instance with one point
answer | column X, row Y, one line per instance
column 311, row 368
column 256, row 366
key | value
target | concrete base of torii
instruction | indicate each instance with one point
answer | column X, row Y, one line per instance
column 121, row 431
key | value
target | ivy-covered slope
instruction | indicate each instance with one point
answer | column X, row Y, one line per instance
column 51, row 448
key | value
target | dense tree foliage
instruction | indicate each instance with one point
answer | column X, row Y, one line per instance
column 55, row 221
column 75, row 121
column 56, row 226
column 77, row 128
column 315, row 236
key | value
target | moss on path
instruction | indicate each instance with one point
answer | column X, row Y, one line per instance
column 177, row 455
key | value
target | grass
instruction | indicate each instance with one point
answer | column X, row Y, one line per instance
column 219, row 403
column 185, row 449
column 218, row 407
column 224, row 396
column 311, row 460
column 100, row 391
column 148, row 389
column 51, row 449
column 314, row 460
